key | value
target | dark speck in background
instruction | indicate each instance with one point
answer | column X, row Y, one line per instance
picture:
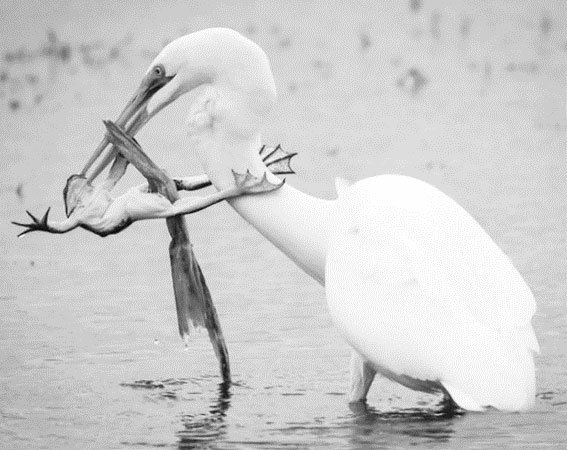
column 56, row 48
column 285, row 42
column 365, row 41
column 32, row 263
column 18, row 55
column 430, row 165
column 465, row 27
column 545, row 24
column 324, row 67
column 32, row 78
column 64, row 52
column 52, row 37
column 251, row 29
column 435, row 26
column 38, row 98
column 416, row 33
column 20, row 191
column 487, row 70
column 525, row 67
column 4, row 76
column 413, row 81
column 14, row 105
column 415, row 5
column 333, row 151
column 547, row 395
column 292, row 86
column 114, row 53
column 148, row 54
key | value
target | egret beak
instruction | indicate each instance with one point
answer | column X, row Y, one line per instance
column 132, row 118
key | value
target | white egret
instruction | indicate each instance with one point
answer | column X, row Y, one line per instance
column 414, row 284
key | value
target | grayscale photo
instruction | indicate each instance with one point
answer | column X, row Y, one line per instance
column 283, row 225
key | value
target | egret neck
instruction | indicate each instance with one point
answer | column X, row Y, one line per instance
column 296, row 223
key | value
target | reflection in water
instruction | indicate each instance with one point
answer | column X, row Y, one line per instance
column 421, row 425
column 201, row 429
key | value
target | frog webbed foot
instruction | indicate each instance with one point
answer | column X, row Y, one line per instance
column 36, row 224
column 249, row 184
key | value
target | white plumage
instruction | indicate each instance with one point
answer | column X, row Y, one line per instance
column 421, row 291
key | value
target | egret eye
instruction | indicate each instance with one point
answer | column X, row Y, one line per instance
column 159, row 71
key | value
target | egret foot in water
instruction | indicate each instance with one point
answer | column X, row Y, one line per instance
column 361, row 377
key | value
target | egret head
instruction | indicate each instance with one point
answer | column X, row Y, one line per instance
column 219, row 58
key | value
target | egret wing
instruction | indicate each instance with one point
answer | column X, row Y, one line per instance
column 446, row 244
column 420, row 289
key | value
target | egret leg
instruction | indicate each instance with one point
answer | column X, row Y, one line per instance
column 361, row 377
